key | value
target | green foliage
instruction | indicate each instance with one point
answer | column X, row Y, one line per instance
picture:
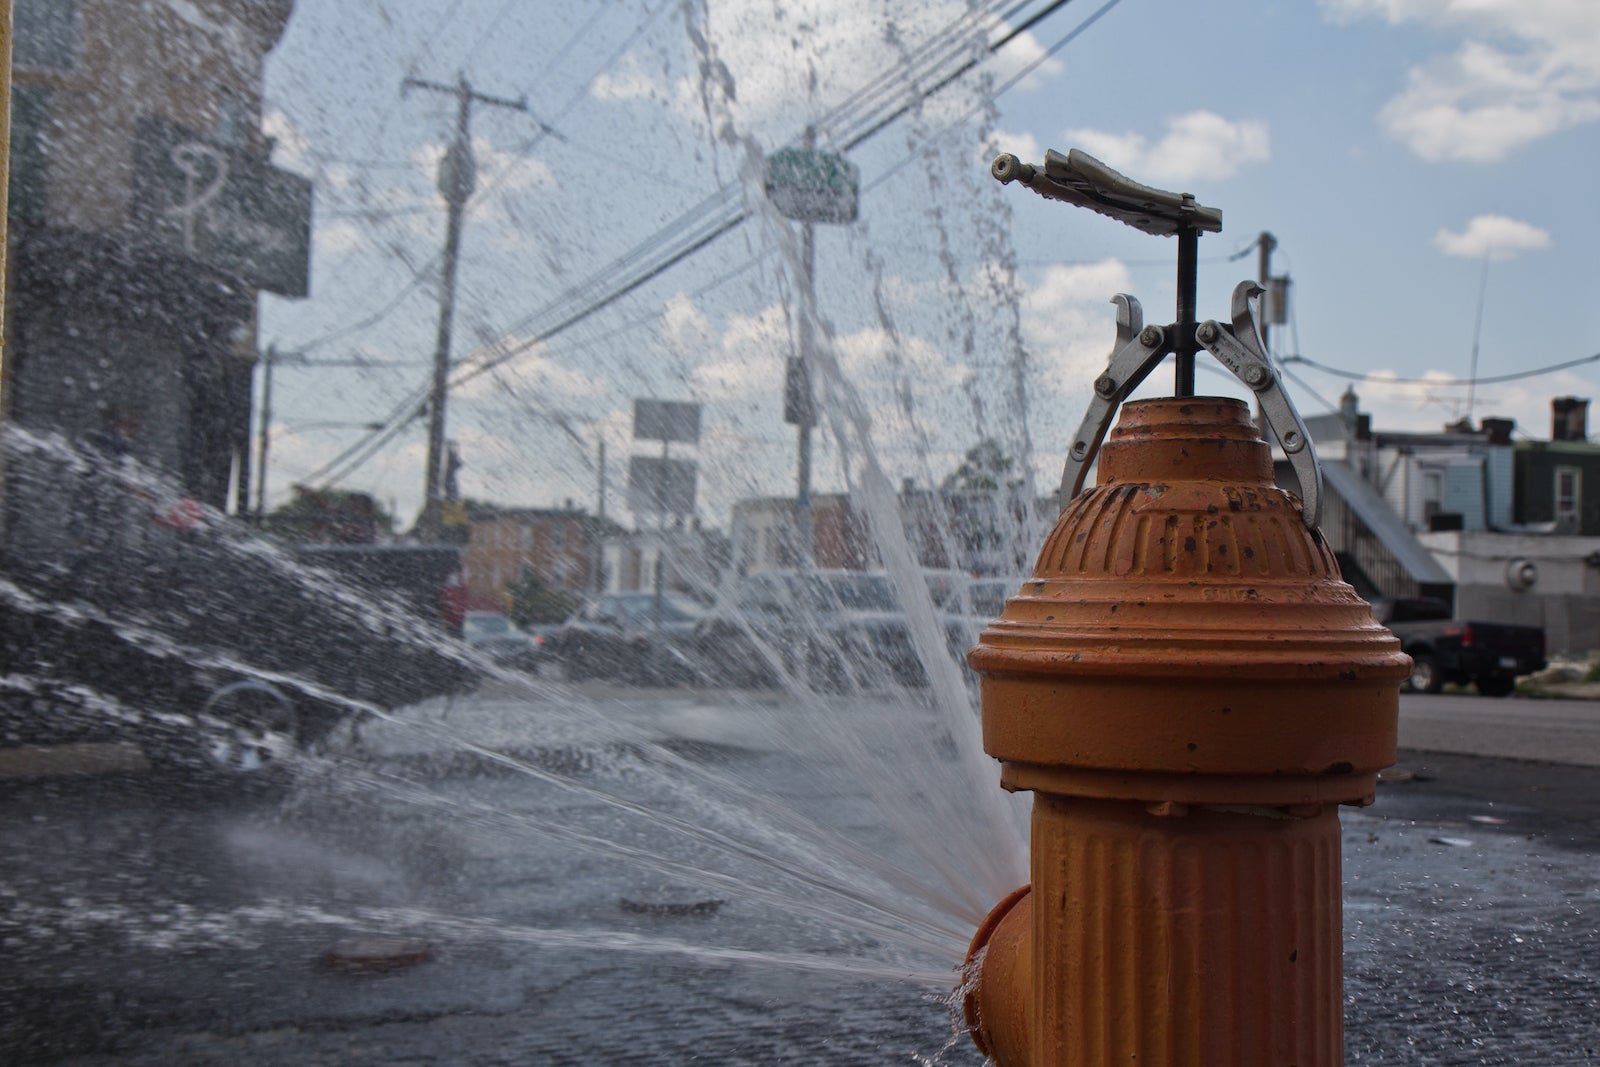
column 330, row 516
column 1593, row 674
column 986, row 466
column 533, row 601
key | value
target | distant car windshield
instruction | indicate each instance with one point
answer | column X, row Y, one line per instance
column 639, row 609
column 944, row 589
column 859, row 592
column 987, row 599
column 485, row 623
column 817, row 593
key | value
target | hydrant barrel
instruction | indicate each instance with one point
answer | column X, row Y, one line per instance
column 1188, row 686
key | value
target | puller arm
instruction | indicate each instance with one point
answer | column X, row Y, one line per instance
column 1139, row 349
column 1239, row 348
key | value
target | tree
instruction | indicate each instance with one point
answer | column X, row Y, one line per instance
column 986, row 467
column 533, row 601
column 330, row 516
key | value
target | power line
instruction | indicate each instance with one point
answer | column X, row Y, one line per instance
column 714, row 228
column 1018, row 31
column 412, row 405
column 1498, row 379
column 709, row 220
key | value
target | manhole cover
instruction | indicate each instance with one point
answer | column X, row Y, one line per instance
column 376, row 954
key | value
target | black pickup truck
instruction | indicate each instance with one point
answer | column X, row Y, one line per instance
column 1443, row 649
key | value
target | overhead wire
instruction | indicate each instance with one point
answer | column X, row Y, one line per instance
column 948, row 79
column 713, row 217
column 710, row 227
column 422, row 272
column 408, row 408
column 720, row 212
column 1369, row 378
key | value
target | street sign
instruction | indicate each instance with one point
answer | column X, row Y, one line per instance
column 658, row 486
column 809, row 185
column 215, row 204
column 666, row 420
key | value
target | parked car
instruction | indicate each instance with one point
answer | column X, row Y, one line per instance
column 1445, row 649
column 638, row 638
column 496, row 637
column 828, row 628
column 979, row 602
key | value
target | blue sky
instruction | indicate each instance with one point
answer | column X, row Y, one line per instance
column 1393, row 147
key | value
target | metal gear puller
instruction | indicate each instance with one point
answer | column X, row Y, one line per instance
column 1080, row 179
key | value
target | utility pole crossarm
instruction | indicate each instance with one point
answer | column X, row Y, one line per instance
column 464, row 89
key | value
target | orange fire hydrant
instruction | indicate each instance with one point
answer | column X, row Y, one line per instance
column 1189, row 688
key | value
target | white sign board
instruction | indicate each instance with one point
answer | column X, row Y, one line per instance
column 659, row 486
column 666, row 420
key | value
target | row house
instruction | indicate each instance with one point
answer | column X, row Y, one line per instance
column 559, row 545
column 1497, row 523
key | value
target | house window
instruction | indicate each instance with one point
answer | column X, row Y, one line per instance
column 1432, row 493
column 1568, row 493
column 30, row 111
column 45, row 34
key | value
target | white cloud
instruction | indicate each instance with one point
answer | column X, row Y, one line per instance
column 788, row 64
column 1068, row 321
column 630, row 81
column 1020, row 52
column 1025, row 146
column 1493, row 236
column 870, row 356
column 531, row 374
column 748, row 358
column 685, row 328
column 1482, row 104
column 498, row 171
column 341, row 235
column 289, row 147
column 1200, row 145
column 1539, row 76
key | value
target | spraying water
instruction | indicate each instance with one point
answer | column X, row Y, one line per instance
column 849, row 827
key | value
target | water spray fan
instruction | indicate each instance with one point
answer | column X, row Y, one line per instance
column 1080, row 179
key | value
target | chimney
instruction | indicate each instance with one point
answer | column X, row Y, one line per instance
column 1349, row 405
column 1569, row 418
column 1498, row 430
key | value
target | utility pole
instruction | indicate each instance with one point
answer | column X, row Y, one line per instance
column 457, row 176
column 268, row 358
column 596, row 578
column 808, row 308
column 1477, row 331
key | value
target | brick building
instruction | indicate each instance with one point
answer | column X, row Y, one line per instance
column 980, row 532
column 144, row 218
column 560, row 545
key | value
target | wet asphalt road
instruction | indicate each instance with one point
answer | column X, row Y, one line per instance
column 145, row 924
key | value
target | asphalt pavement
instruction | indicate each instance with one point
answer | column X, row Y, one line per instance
column 143, row 923
column 1551, row 731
